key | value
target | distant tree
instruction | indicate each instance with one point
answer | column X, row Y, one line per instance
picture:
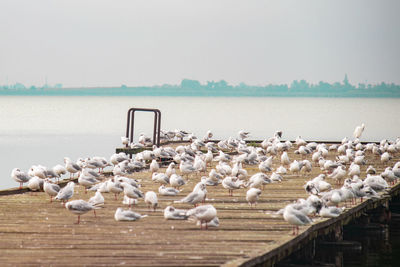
column 210, row 84
column 302, row 85
column 192, row 84
column 324, row 85
column 242, row 85
column 221, row 84
column 19, row 86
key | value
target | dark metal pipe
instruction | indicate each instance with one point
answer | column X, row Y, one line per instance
column 131, row 121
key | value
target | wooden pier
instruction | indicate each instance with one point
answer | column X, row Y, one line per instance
column 35, row 232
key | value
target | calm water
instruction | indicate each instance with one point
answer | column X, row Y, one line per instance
column 43, row 130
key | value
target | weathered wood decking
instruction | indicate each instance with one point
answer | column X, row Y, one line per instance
column 34, row 232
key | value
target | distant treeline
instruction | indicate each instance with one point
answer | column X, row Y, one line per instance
column 221, row 88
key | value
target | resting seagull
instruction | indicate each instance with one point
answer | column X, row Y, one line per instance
column 127, row 215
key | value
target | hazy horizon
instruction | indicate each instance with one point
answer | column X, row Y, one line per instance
column 138, row 43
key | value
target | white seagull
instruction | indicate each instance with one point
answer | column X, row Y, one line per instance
column 204, row 214
column 79, row 207
column 127, row 215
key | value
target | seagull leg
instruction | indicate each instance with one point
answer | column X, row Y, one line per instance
column 94, row 211
column 79, row 219
column 20, row 185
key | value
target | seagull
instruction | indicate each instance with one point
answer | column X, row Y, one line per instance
column 258, row 179
column 154, row 167
column 86, row 180
column 150, row 198
column 275, row 177
column 285, row 159
column 170, row 213
column 130, row 191
column 79, row 207
column 170, row 170
column 97, row 200
column 59, row 169
column 50, row 189
column 385, row 157
column 330, row 212
column 358, row 131
column 20, row 176
column 295, row 167
column 115, row 187
column 209, row 157
column 252, row 196
column 125, row 140
column 176, row 181
column 161, row 178
column 232, row 183
column 167, row 191
column 35, row 183
column 243, row 135
column 66, row 192
column 127, row 215
column 265, row 166
column 208, row 136
column 295, row 218
column 213, row 223
column 338, row 174
column 129, row 201
column 71, row 167
column 186, row 168
column 377, row 183
column 117, row 158
column 194, row 197
column 209, row 181
column 204, row 214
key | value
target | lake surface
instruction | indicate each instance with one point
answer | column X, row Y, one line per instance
column 45, row 129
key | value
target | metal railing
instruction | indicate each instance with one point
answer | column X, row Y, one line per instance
column 130, row 124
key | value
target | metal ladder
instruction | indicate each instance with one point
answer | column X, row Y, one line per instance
column 130, row 124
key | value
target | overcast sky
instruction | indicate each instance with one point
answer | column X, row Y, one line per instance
column 105, row 43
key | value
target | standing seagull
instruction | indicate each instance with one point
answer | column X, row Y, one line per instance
column 252, row 196
column 150, row 198
column 97, row 200
column 50, row 189
column 79, row 207
column 358, row 131
column 295, row 218
column 71, row 167
column 66, row 192
column 204, row 214
column 20, row 176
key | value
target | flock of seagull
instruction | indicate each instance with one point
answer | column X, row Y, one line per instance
column 189, row 160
